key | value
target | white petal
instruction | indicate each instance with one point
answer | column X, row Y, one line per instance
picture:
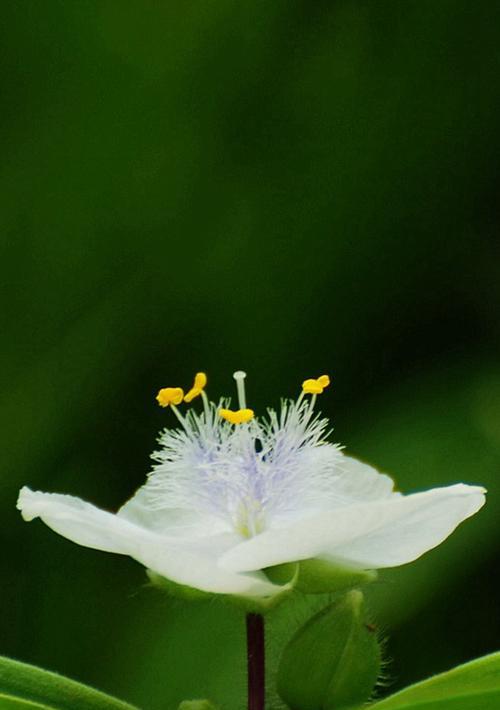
column 77, row 520
column 358, row 482
column 170, row 521
column 195, row 565
column 185, row 562
column 382, row 533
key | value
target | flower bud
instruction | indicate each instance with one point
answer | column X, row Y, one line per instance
column 332, row 661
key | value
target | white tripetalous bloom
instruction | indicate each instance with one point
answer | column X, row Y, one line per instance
column 231, row 495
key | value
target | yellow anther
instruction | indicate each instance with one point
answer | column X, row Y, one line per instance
column 241, row 416
column 193, row 392
column 170, row 395
column 200, row 381
column 313, row 386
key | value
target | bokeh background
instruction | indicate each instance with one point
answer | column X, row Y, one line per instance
column 290, row 188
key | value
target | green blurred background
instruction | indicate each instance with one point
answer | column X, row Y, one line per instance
column 291, row 188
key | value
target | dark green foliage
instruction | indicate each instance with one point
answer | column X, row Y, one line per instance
column 291, row 188
column 472, row 686
column 25, row 686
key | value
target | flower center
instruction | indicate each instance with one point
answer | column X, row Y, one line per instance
column 246, row 471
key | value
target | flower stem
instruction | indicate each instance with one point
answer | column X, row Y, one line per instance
column 256, row 662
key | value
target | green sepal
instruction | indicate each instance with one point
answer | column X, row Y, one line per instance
column 181, row 591
column 308, row 577
column 319, row 576
column 263, row 605
column 258, row 605
column 196, row 705
column 23, row 686
column 333, row 661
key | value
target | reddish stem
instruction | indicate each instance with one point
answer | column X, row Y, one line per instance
column 256, row 662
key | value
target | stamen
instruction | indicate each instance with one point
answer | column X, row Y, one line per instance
column 312, row 386
column 241, row 416
column 239, row 376
column 206, row 405
column 324, row 381
column 179, row 416
column 200, row 382
column 311, row 407
column 169, row 395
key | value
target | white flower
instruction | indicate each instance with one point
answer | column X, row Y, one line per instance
column 231, row 495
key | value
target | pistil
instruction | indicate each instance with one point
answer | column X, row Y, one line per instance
column 239, row 376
